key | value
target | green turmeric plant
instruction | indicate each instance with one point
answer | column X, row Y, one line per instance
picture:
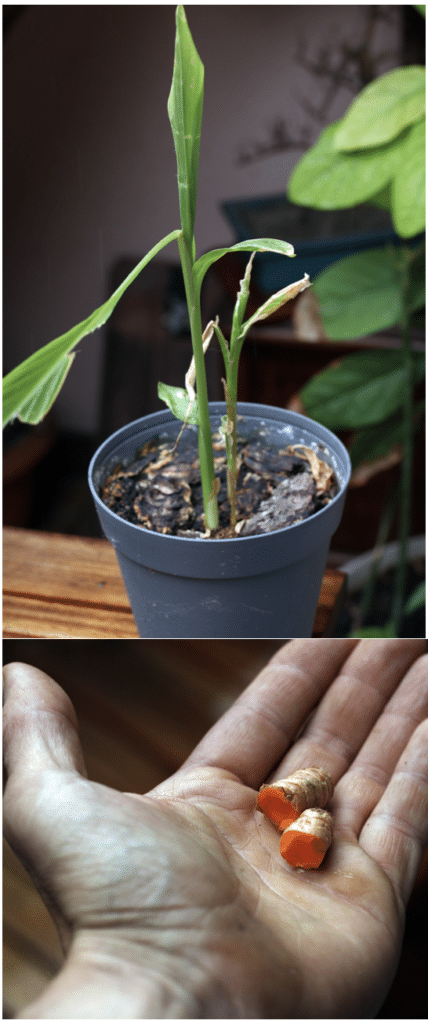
column 31, row 388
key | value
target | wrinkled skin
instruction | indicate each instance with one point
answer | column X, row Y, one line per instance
column 177, row 903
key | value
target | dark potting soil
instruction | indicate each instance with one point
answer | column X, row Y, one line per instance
column 161, row 488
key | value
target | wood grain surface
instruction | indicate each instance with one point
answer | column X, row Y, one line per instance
column 58, row 587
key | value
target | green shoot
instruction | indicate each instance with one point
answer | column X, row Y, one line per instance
column 31, row 388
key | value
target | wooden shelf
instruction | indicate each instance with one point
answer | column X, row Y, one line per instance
column 62, row 587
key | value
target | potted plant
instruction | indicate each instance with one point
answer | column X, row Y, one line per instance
column 374, row 154
column 261, row 585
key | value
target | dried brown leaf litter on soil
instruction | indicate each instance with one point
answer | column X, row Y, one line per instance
column 161, row 488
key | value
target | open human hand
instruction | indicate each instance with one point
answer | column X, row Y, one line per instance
column 177, row 903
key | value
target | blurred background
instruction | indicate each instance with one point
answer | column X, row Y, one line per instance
column 142, row 707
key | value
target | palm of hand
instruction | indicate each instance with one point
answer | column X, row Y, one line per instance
column 202, row 865
column 186, row 884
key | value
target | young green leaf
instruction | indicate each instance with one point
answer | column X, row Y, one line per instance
column 241, row 302
column 30, row 389
column 331, row 180
column 178, row 400
column 363, row 389
column 360, row 294
column 383, row 109
column 252, row 245
column 185, row 113
column 223, row 345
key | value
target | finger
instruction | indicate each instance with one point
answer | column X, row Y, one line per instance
column 352, row 705
column 40, row 728
column 254, row 734
column 396, row 832
column 362, row 786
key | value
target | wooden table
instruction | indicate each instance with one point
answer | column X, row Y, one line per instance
column 61, row 587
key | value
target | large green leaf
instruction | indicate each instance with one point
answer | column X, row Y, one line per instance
column 363, row 389
column 30, row 389
column 383, row 109
column 371, row 443
column 408, row 186
column 360, row 294
column 382, row 199
column 416, row 599
column 416, row 295
column 379, row 631
column 41, row 400
column 331, row 180
column 251, row 245
column 185, row 113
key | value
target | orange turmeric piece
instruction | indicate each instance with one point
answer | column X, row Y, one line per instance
column 305, row 842
column 283, row 801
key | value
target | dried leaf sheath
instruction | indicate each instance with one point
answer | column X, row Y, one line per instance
column 283, row 801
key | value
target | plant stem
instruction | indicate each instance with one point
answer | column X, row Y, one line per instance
column 381, row 539
column 206, row 455
column 407, row 464
column 405, row 485
column 230, row 441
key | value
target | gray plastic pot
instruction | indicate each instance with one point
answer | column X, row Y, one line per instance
column 261, row 586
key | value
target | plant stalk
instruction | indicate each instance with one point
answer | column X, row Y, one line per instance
column 406, row 478
column 381, row 539
column 232, row 398
column 206, row 455
column 407, row 463
column 230, row 441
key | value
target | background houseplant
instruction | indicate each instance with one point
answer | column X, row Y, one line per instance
column 375, row 153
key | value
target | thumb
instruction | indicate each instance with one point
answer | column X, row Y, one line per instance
column 40, row 739
column 42, row 751
column 40, row 728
